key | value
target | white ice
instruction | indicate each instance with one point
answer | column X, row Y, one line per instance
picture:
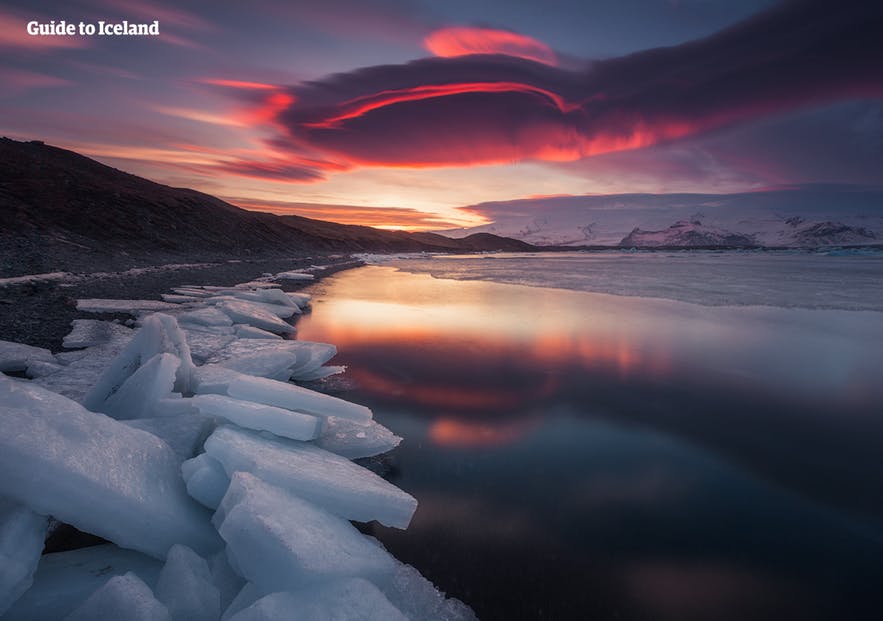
column 282, row 422
column 205, row 479
column 184, row 433
column 95, row 473
column 291, row 397
column 21, row 542
column 139, row 395
column 251, row 314
column 250, row 332
column 266, row 359
column 122, row 597
column 65, row 579
column 352, row 599
column 281, row 542
column 159, row 334
column 186, row 587
column 209, row 316
column 17, row 356
column 352, row 440
column 328, row 480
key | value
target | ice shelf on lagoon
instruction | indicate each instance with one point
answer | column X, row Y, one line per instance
column 224, row 491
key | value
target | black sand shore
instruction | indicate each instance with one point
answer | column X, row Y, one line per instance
column 39, row 313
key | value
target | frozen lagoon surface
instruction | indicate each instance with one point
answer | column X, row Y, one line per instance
column 579, row 454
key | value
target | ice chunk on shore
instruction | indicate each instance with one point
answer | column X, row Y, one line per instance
column 185, row 434
column 252, row 314
column 250, row 332
column 353, row 599
column 95, row 473
column 205, row 479
column 229, row 583
column 353, row 441
column 21, row 541
column 314, row 474
column 122, row 597
column 101, row 305
column 65, row 579
column 209, row 316
column 279, row 421
column 281, row 542
column 301, row 299
column 291, row 397
column 140, row 392
column 159, row 334
column 293, row 276
column 273, row 364
column 268, row 357
column 419, row 600
column 83, row 368
column 17, row 356
column 186, row 588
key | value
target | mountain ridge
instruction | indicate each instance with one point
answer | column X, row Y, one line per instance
column 58, row 208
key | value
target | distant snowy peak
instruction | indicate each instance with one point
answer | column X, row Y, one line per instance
column 687, row 234
column 810, row 216
column 830, row 234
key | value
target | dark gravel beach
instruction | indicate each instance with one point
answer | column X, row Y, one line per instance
column 39, row 313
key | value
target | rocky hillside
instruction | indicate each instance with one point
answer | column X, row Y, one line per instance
column 61, row 210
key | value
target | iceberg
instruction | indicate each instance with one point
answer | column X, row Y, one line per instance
column 325, row 479
column 95, row 473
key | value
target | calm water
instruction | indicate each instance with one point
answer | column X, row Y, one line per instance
column 582, row 455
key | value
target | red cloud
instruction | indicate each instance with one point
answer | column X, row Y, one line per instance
column 463, row 40
column 496, row 108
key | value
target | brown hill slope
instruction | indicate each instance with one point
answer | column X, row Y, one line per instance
column 61, row 210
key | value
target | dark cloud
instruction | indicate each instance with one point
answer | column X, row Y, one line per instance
column 491, row 108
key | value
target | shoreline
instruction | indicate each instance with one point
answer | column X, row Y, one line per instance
column 39, row 312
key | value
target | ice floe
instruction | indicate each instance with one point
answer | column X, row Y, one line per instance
column 138, row 435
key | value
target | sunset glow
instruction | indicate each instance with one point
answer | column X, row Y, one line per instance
column 420, row 118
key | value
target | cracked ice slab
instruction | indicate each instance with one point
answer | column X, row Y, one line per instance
column 280, row 542
column 328, row 480
column 95, row 473
column 282, row 422
column 291, row 397
column 251, row 314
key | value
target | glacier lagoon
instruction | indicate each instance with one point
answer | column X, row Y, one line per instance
column 588, row 441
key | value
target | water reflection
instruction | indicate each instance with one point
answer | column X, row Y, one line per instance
column 582, row 455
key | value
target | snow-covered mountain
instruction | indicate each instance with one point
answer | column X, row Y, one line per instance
column 802, row 216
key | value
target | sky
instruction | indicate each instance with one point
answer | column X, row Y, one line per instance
column 403, row 113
